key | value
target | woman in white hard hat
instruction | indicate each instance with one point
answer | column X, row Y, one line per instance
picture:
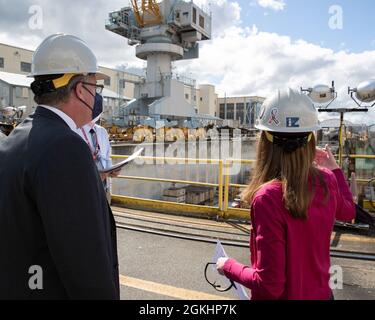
column 296, row 193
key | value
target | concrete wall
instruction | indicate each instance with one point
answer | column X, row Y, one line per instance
column 207, row 100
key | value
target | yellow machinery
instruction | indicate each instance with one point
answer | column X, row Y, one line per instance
column 116, row 133
column 145, row 133
column 147, row 12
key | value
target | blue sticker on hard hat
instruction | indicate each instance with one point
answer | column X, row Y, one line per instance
column 273, row 117
column 292, row 122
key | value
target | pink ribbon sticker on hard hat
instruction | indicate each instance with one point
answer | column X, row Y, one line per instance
column 273, row 117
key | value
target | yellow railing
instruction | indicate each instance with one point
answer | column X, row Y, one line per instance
column 221, row 210
column 218, row 211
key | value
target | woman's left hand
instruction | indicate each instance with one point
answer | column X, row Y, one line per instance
column 220, row 265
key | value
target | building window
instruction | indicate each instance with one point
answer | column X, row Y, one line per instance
column 222, row 111
column 107, row 81
column 230, row 111
column 240, row 107
column 201, row 21
column 195, row 98
column 122, row 83
column 25, row 93
column 25, row 66
column 201, row 99
column 1, row 62
column 194, row 15
column 186, row 96
column 18, row 92
column 230, row 107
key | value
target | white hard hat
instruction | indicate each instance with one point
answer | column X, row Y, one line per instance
column 288, row 111
column 64, row 54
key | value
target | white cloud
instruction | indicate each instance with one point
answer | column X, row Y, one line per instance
column 277, row 5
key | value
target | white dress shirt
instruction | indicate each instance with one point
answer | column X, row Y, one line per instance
column 103, row 141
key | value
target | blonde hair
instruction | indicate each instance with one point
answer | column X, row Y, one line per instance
column 292, row 169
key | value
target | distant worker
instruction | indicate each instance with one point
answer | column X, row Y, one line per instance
column 97, row 139
column 296, row 193
column 57, row 232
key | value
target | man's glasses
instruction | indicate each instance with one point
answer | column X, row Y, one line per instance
column 99, row 87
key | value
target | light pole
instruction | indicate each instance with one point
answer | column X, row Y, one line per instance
column 323, row 94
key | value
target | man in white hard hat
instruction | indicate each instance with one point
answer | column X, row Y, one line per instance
column 57, row 232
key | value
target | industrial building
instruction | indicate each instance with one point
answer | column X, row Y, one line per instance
column 240, row 111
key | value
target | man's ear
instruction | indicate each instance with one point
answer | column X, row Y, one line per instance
column 79, row 90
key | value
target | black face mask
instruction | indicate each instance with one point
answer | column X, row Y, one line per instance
column 98, row 106
column 97, row 109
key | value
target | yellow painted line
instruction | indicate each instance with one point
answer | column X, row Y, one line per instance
column 354, row 238
column 170, row 291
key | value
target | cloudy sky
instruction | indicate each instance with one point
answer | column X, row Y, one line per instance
column 257, row 45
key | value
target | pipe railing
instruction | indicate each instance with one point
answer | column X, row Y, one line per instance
column 222, row 209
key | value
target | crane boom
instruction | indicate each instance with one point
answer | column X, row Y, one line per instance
column 147, row 12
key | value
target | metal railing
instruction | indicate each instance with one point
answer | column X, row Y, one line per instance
column 221, row 210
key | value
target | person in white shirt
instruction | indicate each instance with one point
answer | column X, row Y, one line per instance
column 97, row 140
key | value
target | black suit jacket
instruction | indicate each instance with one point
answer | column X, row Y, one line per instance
column 54, row 214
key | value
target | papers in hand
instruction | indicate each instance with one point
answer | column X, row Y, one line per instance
column 220, row 253
column 119, row 165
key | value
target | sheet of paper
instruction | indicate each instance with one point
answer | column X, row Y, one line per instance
column 220, row 253
column 123, row 163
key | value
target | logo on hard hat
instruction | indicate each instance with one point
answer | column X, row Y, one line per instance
column 273, row 117
column 292, row 122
